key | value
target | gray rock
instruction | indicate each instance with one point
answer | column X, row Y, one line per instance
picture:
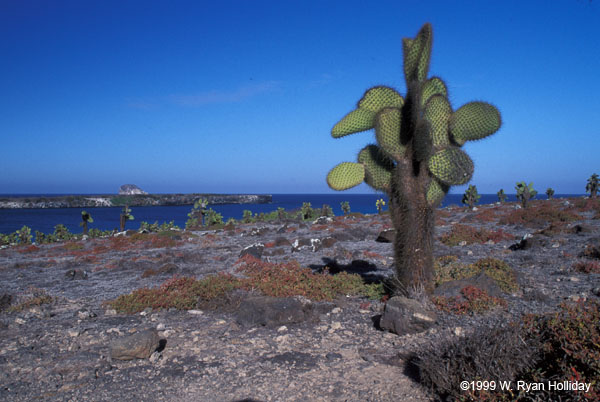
column 406, row 316
column 322, row 220
column 76, row 274
column 255, row 250
column 386, row 236
column 272, row 311
column 140, row 345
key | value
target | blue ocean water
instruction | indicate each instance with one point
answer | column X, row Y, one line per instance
column 44, row 220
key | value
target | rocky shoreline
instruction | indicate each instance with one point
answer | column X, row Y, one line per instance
column 71, row 347
column 132, row 200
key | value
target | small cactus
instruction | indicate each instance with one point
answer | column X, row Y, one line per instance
column 345, row 207
column 326, row 210
column 417, row 157
column 24, row 235
column 124, row 217
column 501, row 196
column 592, row 185
column 380, row 203
column 471, row 196
column 306, row 210
column 525, row 192
column 247, row 216
column 85, row 219
column 550, row 193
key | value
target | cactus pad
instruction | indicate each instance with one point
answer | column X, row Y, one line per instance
column 437, row 113
column 433, row 86
column 378, row 167
column 379, row 97
column 451, row 166
column 474, row 121
column 387, row 131
column 356, row 121
column 436, row 192
column 346, row 175
column 416, row 54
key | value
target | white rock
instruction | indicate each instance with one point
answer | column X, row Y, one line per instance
column 110, row 312
column 463, row 243
column 469, row 252
column 283, row 328
column 20, row 321
column 459, row 331
column 160, row 327
column 195, row 312
column 336, row 325
column 73, row 333
column 336, row 310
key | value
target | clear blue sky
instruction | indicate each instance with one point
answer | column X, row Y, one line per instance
column 240, row 96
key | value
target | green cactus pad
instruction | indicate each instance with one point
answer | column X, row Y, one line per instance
column 346, row 175
column 378, row 167
column 387, row 132
column 433, row 86
column 436, row 192
column 474, row 121
column 451, row 166
column 380, row 97
column 356, row 121
column 437, row 113
column 416, row 54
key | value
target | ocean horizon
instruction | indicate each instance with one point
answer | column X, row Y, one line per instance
column 107, row 218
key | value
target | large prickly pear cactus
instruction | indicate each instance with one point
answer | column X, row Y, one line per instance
column 417, row 156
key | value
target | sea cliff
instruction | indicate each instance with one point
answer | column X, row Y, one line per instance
column 136, row 200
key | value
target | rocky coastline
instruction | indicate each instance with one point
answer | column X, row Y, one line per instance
column 132, row 200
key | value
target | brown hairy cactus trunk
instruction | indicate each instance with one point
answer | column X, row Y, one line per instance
column 414, row 219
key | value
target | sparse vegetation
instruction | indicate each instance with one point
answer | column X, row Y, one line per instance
column 380, row 203
column 471, row 196
column 525, row 193
column 550, row 193
column 464, row 234
column 280, row 280
column 124, row 217
column 501, row 196
column 345, row 207
column 592, row 185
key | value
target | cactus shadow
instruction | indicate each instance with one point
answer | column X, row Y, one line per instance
column 367, row 270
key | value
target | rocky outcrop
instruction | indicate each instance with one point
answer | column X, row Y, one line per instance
column 135, row 200
column 130, row 189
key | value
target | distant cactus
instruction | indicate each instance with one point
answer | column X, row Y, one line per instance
column 306, row 210
column 380, row 203
column 501, row 196
column 592, row 185
column 61, row 233
column 213, row 218
column 124, row 217
column 281, row 214
column 550, row 192
column 247, row 216
column 24, row 235
column 525, row 192
column 85, row 218
column 326, row 210
column 417, row 157
column 345, row 207
column 471, row 196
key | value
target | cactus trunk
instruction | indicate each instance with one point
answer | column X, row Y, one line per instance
column 413, row 218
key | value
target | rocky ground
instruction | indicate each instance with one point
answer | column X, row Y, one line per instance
column 66, row 346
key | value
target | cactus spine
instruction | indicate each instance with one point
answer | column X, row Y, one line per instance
column 417, row 156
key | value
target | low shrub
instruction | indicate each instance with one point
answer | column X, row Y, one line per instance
column 37, row 297
column 447, row 268
column 472, row 300
column 489, row 353
column 538, row 215
column 463, row 233
column 587, row 267
column 271, row 279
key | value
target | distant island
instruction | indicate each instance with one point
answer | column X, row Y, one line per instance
column 132, row 200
